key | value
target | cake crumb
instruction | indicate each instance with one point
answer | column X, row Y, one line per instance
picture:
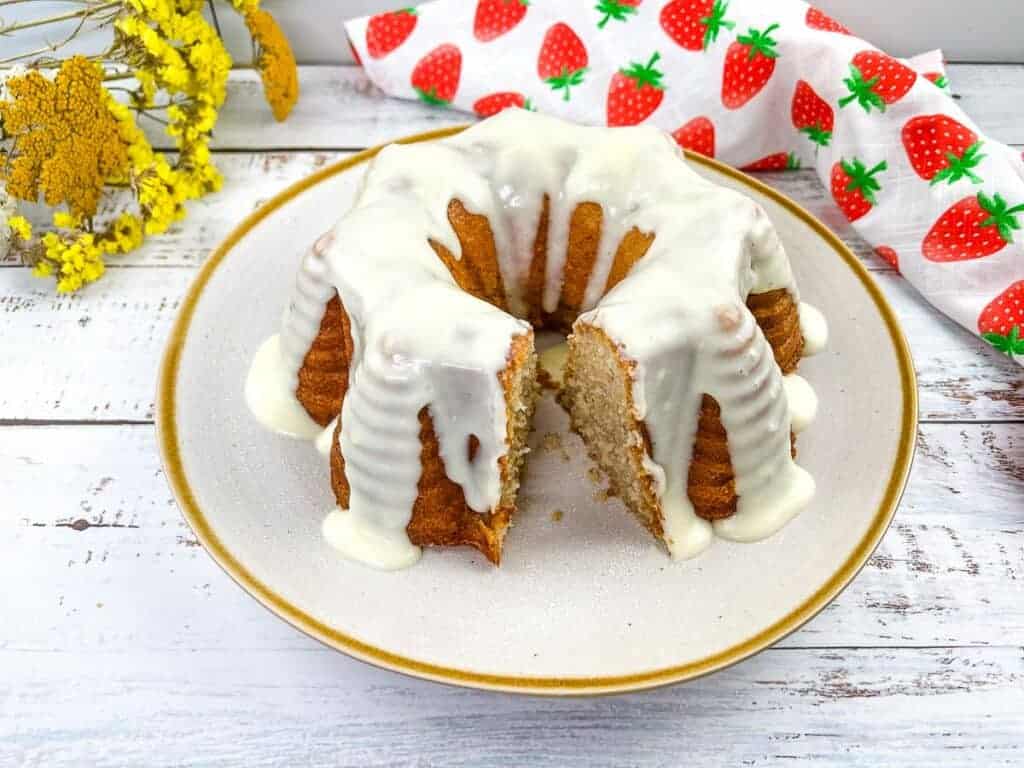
column 565, row 456
column 595, row 475
column 547, row 381
column 603, row 494
column 557, row 515
column 552, row 441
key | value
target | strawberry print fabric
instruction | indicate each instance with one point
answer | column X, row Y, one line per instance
column 762, row 85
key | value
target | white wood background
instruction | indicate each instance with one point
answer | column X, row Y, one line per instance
column 122, row 644
column 979, row 31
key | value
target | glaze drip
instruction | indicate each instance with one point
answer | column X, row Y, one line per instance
column 422, row 342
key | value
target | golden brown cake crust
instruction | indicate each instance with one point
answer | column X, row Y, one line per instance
column 323, row 377
column 477, row 271
column 440, row 515
column 711, row 483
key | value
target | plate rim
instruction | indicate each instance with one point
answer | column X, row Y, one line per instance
column 167, row 440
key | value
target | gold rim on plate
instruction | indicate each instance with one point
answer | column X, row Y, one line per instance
column 167, row 436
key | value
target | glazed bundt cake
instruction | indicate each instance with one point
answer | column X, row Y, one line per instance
column 409, row 342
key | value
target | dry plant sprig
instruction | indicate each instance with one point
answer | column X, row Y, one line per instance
column 65, row 137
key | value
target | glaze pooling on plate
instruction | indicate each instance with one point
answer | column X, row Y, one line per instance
column 420, row 340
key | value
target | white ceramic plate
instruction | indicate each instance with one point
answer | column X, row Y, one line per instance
column 587, row 603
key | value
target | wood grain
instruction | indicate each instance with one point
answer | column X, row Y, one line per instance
column 95, row 355
column 341, row 109
column 90, row 520
column 249, row 708
column 122, row 644
column 252, row 178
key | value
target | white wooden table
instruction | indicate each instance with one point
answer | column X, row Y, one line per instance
column 122, row 644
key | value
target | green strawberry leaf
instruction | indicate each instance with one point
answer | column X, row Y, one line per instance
column 1010, row 345
column 716, row 22
column 760, row 43
column 817, row 134
column 644, row 74
column 861, row 91
column 612, row 9
column 961, row 167
column 431, row 97
column 1001, row 215
column 863, row 179
column 565, row 80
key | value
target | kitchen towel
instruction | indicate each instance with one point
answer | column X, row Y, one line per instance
column 758, row 84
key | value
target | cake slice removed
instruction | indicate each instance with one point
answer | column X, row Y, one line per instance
column 597, row 390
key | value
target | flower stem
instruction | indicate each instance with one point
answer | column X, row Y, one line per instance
column 213, row 14
column 17, row 2
column 52, row 47
column 83, row 12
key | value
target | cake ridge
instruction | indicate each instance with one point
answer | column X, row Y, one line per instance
column 696, row 252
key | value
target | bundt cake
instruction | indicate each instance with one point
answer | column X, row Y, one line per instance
column 408, row 345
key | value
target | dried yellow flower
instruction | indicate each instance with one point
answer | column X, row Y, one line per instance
column 73, row 261
column 65, row 140
column 20, row 226
column 275, row 62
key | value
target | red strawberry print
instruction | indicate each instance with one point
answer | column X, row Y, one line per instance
column 854, row 187
column 496, row 17
column 974, row 227
column 387, row 31
column 941, row 149
column 635, row 92
column 939, row 79
column 811, row 114
column 749, row 64
column 496, row 102
column 620, row 10
column 817, row 20
column 877, row 80
column 1001, row 322
column 698, row 136
column 355, row 54
column 695, row 24
column 436, row 75
column 889, row 256
column 562, row 61
column 780, row 161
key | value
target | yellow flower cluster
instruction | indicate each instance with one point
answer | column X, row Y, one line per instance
column 181, row 56
column 275, row 61
column 64, row 140
column 20, row 226
column 73, row 262
column 68, row 137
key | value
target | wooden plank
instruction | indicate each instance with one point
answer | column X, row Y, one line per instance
column 340, row 109
column 94, row 356
column 251, row 178
column 949, row 707
column 88, row 512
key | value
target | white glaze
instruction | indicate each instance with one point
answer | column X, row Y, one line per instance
column 270, row 394
column 421, row 341
column 358, row 538
column 814, row 328
column 803, row 402
column 325, row 439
